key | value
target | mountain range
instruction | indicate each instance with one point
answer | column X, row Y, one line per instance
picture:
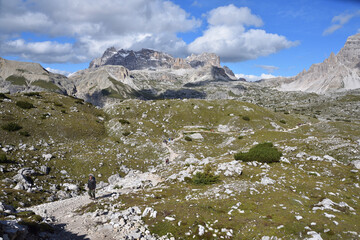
column 337, row 73
column 149, row 74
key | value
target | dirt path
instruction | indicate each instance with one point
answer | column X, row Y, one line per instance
column 69, row 224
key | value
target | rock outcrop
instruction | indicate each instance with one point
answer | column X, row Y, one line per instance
column 28, row 77
column 338, row 72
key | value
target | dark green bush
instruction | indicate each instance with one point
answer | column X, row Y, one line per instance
column 79, row 101
column 205, row 178
column 24, row 105
column 2, row 96
column 57, row 104
column 25, row 133
column 3, row 158
column 11, row 127
column 31, row 94
column 246, row 118
column 282, row 121
column 187, row 138
column 263, row 152
column 240, row 137
column 63, row 111
column 126, row 133
column 123, row 121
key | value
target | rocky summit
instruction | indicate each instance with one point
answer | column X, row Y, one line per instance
column 337, row 73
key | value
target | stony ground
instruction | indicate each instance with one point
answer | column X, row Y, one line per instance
column 312, row 193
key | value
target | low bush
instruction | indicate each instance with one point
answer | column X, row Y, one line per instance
column 11, row 127
column 263, row 152
column 282, row 121
column 2, row 96
column 3, row 158
column 32, row 94
column 205, row 178
column 25, row 133
column 187, row 138
column 24, row 105
column 57, row 104
column 126, row 133
column 240, row 137
column 246, row 118
column 124, row 121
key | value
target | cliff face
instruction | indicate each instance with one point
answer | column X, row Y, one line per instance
column 338, row 72
column 18, row 76
column 150, row 59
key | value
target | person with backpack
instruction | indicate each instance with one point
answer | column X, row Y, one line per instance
column 91, row 186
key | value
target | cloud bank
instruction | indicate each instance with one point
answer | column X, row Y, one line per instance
column 339, row 21
column 228, row 37
column 80, row 30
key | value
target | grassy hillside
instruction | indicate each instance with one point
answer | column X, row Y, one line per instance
column 286, row 199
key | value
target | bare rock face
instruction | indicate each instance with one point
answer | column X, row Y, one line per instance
column 95, row 84
column 26, row 77
column 150, row 59
column 338, row 72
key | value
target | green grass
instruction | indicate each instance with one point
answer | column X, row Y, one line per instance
column 46, row 85
column 17, row 80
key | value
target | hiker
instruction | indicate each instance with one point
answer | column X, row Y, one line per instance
column 167, row 161
column 91, row 186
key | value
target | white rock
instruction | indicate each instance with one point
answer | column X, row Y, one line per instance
column 314, row 236
column 201, row 230
column 223, row 128
column 196, row 136
column 170, row 218
column 47, row 157
column 298, row 217
column 356, row 164
column 267, row 181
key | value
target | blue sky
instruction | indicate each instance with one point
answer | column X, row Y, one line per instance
column 254, row 38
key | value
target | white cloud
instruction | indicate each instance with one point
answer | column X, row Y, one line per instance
column 94, row 25
column 228, row 37
column 65, row 73
column 253, row 78
column 339, row 21
column 268, row 68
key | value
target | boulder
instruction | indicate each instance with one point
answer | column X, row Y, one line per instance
column 356, row 164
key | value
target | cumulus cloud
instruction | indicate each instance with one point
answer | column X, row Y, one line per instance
column 65, row 73
column 228, row 37
column 94, row 25
column 339, row 21
column 268, row 68
column 253, row 78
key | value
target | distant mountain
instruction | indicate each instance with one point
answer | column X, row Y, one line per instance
column 27, row 77
column 338, row 72
column 150, row 59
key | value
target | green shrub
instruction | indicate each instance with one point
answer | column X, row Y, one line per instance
column 126, row 133
column 246, row 118
column 2, row 96
column 17, row 80
column 187, row 138
column 57, row 104
column 11, row 127
column 123, row 121
column 263, row 152
column 282, row 121
column 240, row 137
column 205, row 178
column 31, row 94
column 24, row 104
column 79, row 101
column 3, row 158
column 25, row 133
column 63, row 111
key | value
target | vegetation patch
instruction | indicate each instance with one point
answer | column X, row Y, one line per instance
column 205, row 178
column 187, row 138
column 11, row 127
column 24, row 133
column 3, row 158
column 282, row 121
column 17, row 80
column 46, row 85
column 32, row 94
column 24, row 105
column 263, row 152
column 124, row 121
column 246, row 118
column 3, row 96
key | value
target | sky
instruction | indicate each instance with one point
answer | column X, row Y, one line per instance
column 255, row 38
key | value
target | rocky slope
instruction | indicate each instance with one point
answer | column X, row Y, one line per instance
column 337, row 73
column 143, row 154
column 28, row 77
